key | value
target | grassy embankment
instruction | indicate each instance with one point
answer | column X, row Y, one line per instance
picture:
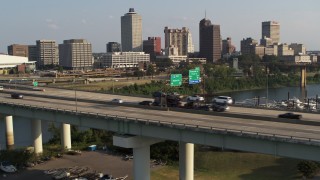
column 234, row 165
column 101, row 86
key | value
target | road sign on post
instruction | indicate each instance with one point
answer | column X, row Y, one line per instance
column 35, row 84
column 194, row 76
column 176, row 80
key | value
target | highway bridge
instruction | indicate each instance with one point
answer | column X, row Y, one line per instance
column 137, row 127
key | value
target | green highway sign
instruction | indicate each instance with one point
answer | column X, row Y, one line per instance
column 35, row 83
column 176, row 80
column 194, row 76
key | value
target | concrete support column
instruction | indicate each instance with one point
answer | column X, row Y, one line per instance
column 9, row 132
column 66, row 136
column 37, row 136
column 141, row 163
column 303, row 76
column 141, row 153
column 186, row 161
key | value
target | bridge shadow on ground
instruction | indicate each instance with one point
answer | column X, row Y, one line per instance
column 283, row 169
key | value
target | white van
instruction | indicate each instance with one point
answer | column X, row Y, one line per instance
column 223, row 99
column 1, row 88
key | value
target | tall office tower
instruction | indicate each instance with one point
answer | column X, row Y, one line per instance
column 271, row 29
column 210, row 40
column 131, row 32
column 227, row 47
column 18, row 50
column 180, row 39
column 152, row 46
column 48, row 53
column 33, row 52
column 76, row 54
column 113, row 47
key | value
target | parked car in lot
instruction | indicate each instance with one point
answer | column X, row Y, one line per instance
column 195, row 98
column 147, row 103
column 16, row 96
column 220, row 107
column 290, row 115
column 223, row 99
column 117, row 101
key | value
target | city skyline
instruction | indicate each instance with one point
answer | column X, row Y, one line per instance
column 99, row 22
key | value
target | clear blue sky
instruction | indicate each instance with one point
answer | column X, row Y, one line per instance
column 98, row 21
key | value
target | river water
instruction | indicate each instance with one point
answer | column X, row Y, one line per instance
column 277, row 93
column 22, row 127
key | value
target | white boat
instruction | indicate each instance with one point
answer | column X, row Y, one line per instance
column 64, row 174
column 295, row 100
column 7, row 167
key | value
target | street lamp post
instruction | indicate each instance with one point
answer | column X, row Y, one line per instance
column 267, row 88
column 75, row 95
column 113, row 80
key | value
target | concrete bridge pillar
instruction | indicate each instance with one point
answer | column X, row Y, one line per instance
column 186, row 164
column 141, row 153
column 66, row 136
column 9, row 132
column 37, row 136
column 303, row 80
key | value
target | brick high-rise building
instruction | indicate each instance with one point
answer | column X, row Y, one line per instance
column 76, row 54
column 271, row 29
column 152, row 46
column 18, row 50
column 131, row 32
column 209, row 40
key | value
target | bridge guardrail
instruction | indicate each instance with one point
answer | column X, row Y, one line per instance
column 210, row 129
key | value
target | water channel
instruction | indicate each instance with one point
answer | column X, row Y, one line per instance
column 311, row 91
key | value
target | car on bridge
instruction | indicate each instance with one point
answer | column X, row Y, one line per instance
column 16, row 96
column 146, row 103
column 222, row 99
column 120, row 101
column 290, row 115
column 220, row 107
column 195, row 98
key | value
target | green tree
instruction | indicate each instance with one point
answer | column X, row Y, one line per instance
column 308, row 168
column 150, row 70
column 164, row 63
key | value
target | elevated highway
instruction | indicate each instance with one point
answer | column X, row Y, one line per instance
column 241, row 129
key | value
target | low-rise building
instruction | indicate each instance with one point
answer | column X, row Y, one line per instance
column 285, row 50
column 21, row 63
column 124, row 59
column 175, row 59
column 296, row 59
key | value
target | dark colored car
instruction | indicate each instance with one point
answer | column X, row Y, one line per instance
column 220, row 107
column 290, row 116
column 16, row 96
column 206, row 108
column 147, row 103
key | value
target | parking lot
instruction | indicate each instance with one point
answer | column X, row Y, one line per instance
column 98, row 161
